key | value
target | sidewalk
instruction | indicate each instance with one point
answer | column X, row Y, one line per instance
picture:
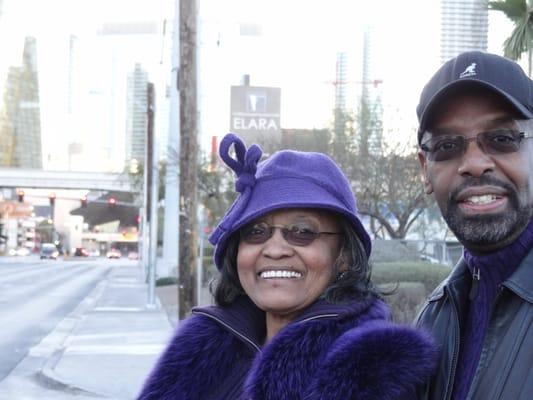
column 104, row 349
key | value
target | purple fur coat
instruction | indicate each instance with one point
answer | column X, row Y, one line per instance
column 347, row 351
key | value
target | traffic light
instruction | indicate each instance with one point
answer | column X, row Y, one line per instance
column 83, row 200
column 52, row 198
column 112, row 202
column 20, row 195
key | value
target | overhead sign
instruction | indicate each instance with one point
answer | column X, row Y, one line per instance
column 255, row 112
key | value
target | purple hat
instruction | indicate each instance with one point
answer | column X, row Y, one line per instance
column 499, row 74
column 287, row 179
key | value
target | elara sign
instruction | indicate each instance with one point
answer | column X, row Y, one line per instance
column 255, row 123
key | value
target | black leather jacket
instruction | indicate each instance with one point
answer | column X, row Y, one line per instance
column 505, row 369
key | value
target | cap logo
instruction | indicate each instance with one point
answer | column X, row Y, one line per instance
column 469, row 71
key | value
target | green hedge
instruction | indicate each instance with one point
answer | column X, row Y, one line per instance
column 166, row 281
column 430, row 275
column 411, row 283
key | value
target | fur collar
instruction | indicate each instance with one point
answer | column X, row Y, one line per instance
column 355, row 355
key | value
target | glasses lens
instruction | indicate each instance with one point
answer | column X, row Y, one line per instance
column 256, row 233
column 299, row 235
column 500, row 141
column 444, row 147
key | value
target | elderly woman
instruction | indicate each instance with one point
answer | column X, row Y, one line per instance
column 296, row 316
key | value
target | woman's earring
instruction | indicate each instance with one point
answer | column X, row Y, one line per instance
column 341, row 275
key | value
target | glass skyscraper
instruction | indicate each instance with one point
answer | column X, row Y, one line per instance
column 464, row 27
column 20, row 119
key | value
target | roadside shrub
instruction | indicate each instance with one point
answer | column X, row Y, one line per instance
column 410, row 283
column 430, row 275
column 166, row 281
column 406, row 301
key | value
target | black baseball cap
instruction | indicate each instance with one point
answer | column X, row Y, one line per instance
column 501, row 75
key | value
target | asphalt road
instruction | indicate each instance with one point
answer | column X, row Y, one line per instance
column 35, row 295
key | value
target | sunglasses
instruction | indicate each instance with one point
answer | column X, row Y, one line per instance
column 294, row 234
column 450, row 147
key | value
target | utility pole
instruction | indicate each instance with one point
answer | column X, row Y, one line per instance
column 188, row 155
column 171, row 224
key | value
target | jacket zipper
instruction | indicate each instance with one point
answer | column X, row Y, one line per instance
column 455, row 354
column 319, row 316
column 250, row 341
column 475, row 378
column 244, row 337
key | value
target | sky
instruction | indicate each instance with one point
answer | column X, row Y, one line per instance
column 295, row 50
column 101, row 62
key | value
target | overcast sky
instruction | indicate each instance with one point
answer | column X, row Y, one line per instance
column 296, row 51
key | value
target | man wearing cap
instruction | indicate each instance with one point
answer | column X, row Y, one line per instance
column 475, row 119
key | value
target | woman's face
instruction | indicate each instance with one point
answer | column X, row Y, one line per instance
column 283, row 278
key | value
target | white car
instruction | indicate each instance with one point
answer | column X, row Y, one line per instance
column 21, row 251
column 94, row 253
column 113, row 253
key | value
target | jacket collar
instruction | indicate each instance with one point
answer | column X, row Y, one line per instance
column 248, row 322
column 242, row 317
column 456, row 280
column 521, row 281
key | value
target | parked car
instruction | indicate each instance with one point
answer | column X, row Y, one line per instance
column 113, row 253
column 133, row 255
column 49, row 250
column 81, row 252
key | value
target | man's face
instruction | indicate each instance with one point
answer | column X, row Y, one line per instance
column 486, row 199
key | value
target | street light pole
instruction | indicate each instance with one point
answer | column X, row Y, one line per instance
column 172, row 179
column 152, row 171
column 171, row 237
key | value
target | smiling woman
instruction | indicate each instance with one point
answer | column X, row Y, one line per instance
column 297, row 315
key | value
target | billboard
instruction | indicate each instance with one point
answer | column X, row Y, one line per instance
column 255, row 113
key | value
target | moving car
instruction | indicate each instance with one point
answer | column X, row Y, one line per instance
column 49, row 250
column 113, row 253
column 21, row 251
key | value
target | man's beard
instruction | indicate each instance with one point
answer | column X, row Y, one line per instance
column 489, row 229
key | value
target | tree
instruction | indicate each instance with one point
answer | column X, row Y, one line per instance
column 390, row 191
column 385, row 178
column 215, row 189
column 521, row 39
column 136, row 178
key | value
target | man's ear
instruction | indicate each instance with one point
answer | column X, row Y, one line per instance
column 424, row 166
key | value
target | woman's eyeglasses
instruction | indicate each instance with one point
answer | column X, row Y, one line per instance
column 449, row 147
column 294, row 234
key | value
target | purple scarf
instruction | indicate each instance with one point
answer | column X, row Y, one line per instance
column 491, row 270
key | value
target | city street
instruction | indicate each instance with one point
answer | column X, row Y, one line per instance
column 76, row 329
column 35, row 295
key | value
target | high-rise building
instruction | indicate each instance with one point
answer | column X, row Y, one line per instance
column 136, row 113
column 20, row 120
column 370, row 114
column 464, row 27
column 340, row 93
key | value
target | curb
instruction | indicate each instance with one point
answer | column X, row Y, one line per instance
column 60, row 335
